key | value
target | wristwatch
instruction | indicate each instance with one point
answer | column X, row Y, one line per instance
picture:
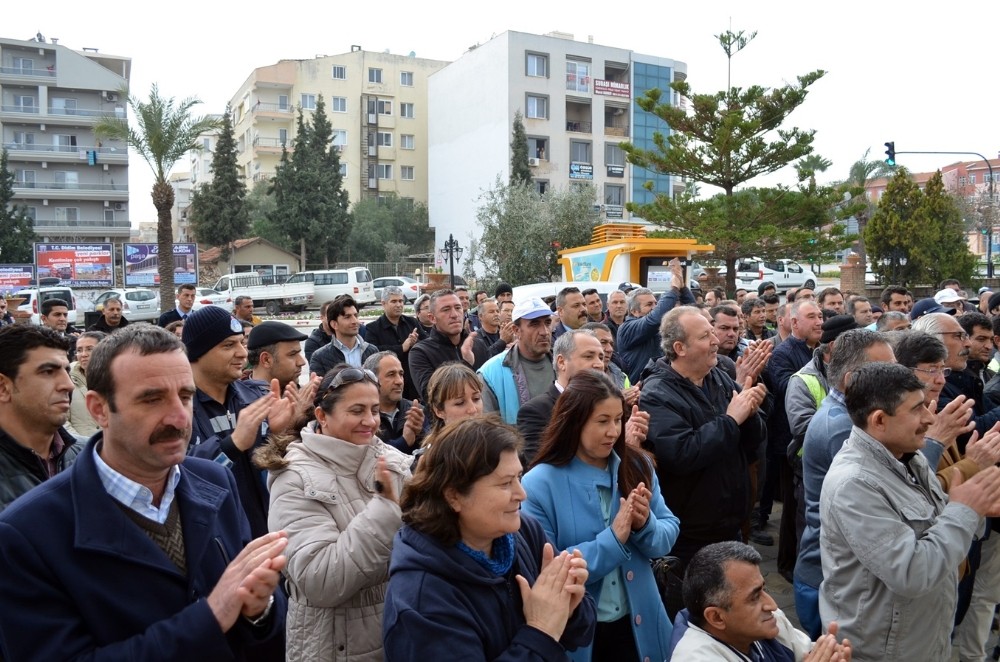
column 257, row 622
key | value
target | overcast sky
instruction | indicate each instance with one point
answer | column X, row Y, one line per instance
column 919, row 75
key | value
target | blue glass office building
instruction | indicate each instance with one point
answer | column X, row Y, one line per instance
column 649, row 73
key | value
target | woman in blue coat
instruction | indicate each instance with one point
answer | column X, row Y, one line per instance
column 593, row 492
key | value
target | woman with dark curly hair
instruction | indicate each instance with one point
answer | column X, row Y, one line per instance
column 470, row 577
column 593, row 492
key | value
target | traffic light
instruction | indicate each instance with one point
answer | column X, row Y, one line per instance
column 890, row 153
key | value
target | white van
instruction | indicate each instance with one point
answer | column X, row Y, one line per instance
column 331, row 283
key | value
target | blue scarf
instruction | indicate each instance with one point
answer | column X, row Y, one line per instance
column 502, row 559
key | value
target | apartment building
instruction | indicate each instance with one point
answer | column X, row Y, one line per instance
column 376, row 102
column 578, row 103
column 75, row 187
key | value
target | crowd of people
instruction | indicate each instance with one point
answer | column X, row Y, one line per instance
column 495, row 478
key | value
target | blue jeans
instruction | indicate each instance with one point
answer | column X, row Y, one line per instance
column 807, row 609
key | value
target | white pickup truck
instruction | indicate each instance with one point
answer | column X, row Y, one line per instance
column 273, row 298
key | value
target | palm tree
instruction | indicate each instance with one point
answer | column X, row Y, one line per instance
column 163, row 133
column 862, row 173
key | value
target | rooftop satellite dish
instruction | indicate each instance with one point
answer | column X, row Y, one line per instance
column 413, row 54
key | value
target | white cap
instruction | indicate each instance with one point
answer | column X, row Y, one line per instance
column 532, row 308
column 947, row 295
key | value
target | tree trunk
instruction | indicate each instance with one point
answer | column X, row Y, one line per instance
column 163, row 200
column 730, row 276
column 302, row 253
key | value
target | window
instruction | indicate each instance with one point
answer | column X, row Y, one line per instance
column 406, row 173
column 385, row 140
column 541, row 186
column 282, row 102
column 579, row 151
column 67, row 179
column 24, row 178
column 283, row 137
column 24, row 65
column 68, row 214
column 206, row 144
column 24, row 104
column 339, row 138
column 537, row 65
column 339, row 72
column 613, row 155
column 406, row 110
column 384, row 170
column 64, row 143
column 338, row 104
column 961, row 181
column 406, row 78
column 406, row 141
column 343, row 169
column 614, row 194
column 31, row 212
column 63, row 106
column 538, row 107
column 537, row 148
column 380, row 106
column 374, row 75
column 308, row 102
column 972, row 178
column 24, row 138
column 109, row 215
column 577, row 76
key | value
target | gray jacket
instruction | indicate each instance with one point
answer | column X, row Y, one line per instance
column 801, row 405
column 891, row 547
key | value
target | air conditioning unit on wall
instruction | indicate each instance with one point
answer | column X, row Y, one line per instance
column 533, row 162
column 120, row 206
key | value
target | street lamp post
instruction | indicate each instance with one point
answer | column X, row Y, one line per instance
column 452, row 248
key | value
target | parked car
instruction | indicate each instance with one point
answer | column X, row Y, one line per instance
column 35, row 296
column 206, row 296
column 785, row 274
column 328, row 284
column 410, row 287
column 139, row 304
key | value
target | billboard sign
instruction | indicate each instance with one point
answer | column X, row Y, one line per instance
column 14, row 277
column 142, row 262
column 76, row 265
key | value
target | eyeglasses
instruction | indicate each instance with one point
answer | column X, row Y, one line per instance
column 961, row 335
column 934, row 372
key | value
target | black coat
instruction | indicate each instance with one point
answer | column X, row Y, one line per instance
column 532, row 419
column 21, row 469
column 318, row 338
column 436, row 350
column 390, row 337
column 701, row 453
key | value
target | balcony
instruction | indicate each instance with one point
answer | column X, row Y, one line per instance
column 263, row 177
column 574, row 126
column 43, row 76
column 71, row 190
column 65, row 153
column 268, row 145
column 272, row 111
column 616, row 129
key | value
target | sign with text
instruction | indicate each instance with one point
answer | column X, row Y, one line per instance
column 14, row 277
column 142, row 263
column 611, row 88
column 581, row 171
column 76, row 265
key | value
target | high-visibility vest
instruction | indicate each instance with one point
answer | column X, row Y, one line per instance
column 816, row 390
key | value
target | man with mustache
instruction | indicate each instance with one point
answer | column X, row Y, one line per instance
column 892, row 539
column 231, row 417
column 137, row 532
column 571, row 311
column 35, row 391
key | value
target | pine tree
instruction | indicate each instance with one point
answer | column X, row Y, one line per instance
column 894, row 237
column 946, row 249
column 332, row 223
column 218, row 209
column 17, row 235
column 520, row 171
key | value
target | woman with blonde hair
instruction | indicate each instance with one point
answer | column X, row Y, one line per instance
column 336, row 492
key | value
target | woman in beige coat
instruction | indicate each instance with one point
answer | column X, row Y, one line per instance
column 80, row 422
column 336, row 492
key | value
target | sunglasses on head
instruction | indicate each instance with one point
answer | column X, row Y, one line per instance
column 351, row 376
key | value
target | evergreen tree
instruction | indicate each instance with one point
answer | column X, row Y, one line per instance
column 946, row 249
column 218, row 209
column 520, row 171
column 391, row 220
column 17, row 235
column 312, row 205
column 894, row 237
column 724, row 140
column 261, row 206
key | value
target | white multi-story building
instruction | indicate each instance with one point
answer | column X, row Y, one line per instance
column 376, row 102
column 74, row 186
column 578, row 103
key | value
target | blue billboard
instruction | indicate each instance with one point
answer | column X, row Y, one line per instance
column 142, row 263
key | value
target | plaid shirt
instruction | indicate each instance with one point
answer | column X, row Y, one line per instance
column 134, row 496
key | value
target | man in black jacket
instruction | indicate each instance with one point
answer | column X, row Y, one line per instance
column 112, row 319
column 703, row 429
column 395, row 332
column 35, row 392
column 401, row 421
column 320, row 336
column 448, row 341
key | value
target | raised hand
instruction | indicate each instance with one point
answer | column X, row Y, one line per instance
column 640, row 498
column 249, row 419
column 468, row 355
column 637, row 427
column 981, row 493
column 386, row 480
column 746, row 402
column 986, row 451
column 952, row 421
column 621, row 525
column 414, row 423
column 411, row 340
column 547, row 603
column 248, row 582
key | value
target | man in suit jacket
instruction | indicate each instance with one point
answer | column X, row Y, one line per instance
column 574, row 351
column 145, row 553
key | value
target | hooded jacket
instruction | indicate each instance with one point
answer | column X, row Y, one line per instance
column 442, row 605
column 339, row 537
